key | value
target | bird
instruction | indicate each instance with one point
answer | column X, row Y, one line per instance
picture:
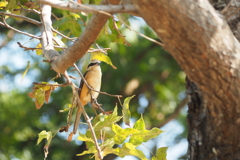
column 93, row 77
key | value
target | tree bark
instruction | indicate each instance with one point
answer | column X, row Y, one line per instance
column 201, row 41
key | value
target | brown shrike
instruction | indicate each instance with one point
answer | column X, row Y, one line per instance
column 93, row 77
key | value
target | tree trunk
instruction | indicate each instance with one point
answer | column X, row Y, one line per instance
column 200, row 39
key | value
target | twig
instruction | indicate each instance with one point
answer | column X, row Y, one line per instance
column 31, row 48
column 71, row 39
column 89, row 87
column 26, row 48
column 10, row 27
column 98, row 50
column 30, row 20
column 91, row 129
column 120, row 101
column 58, row 85
column 82, row 110
column 29, row 10
column 101, row 50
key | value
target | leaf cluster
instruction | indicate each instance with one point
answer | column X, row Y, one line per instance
column 110, row 135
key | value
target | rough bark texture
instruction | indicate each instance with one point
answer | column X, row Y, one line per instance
column 201, row 41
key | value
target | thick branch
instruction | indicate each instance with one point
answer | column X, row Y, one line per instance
column 91, row 8
column 82, row 44
column 47, row 43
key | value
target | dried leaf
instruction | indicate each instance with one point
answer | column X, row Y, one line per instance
column 47, row 95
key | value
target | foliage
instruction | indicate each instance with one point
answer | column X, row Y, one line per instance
column 110, row 134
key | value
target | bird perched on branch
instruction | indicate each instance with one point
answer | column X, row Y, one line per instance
column 93, row 77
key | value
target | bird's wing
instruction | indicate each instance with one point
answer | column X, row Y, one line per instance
column 81, row 83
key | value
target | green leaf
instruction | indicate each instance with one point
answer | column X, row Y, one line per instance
column 122, row 134
column 107, row 120
column 129, row 149
column 124, row 17
column 42, row 135
column 11, row 5
column 91, row 150
column 85, row 1
column 102, row 57
column 161, row 153
column 68, row 23
column 116, row 33
column 97, row 2
column 107, row 151
column 140, row 124
column 26, row 70
column 39, row 96
column 75, row 16
column 126, row 112
column 144, row 136
column 84, row 138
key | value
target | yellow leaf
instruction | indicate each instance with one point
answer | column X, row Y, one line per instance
column 76, row 16
column 102, row 57
column 39, row 51
column 3, row 4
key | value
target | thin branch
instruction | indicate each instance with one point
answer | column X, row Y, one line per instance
column 33, row 48
column 71, row 39
column 103, row 50
column 89, row 87
column 30, row 20
column 10, row 27
column 71, row 6
column 91, row 129
column 28, row 10
column 55, row 85
column 26, row 48
column 79, row 112
column 175, row 113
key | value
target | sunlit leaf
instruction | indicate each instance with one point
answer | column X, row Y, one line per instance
column 84, row 138
column 122, row 134
column 44, row 134
column 144, row 136
column 107, row 120
column 91, row 150
column 3, row 4
column 39, row 51
column 140, row 124
column 75, row 16
column 129, row 149
column 161, row 153
column 102, row 57
column 126, row 112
